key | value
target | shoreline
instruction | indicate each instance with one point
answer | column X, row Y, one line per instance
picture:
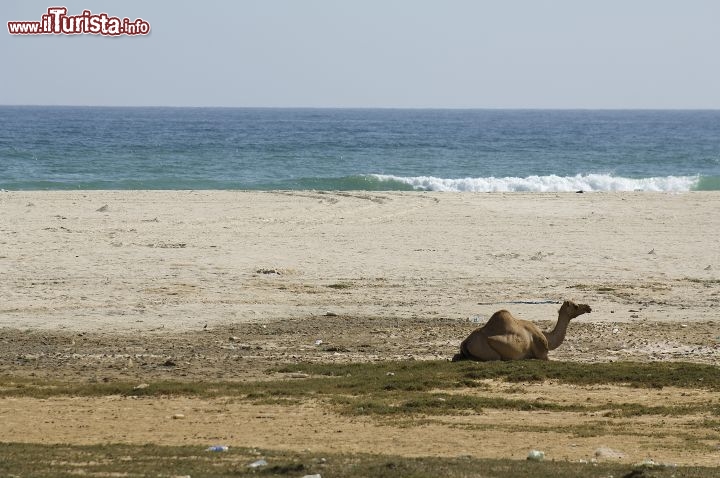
column 126, row 260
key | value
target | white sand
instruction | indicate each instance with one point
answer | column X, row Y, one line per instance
column 183, row 259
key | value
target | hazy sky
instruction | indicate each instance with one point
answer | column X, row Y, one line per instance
column 374, row 53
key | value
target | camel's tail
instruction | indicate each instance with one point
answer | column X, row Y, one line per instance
column 463, row 355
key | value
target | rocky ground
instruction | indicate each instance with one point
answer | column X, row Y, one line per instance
column 248, row 351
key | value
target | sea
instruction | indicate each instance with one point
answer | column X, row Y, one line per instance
column 67, row 148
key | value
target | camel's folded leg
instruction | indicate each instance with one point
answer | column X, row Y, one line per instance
column 540, row 347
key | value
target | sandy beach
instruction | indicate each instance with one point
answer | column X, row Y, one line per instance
column 141, row 260
column 194, row 285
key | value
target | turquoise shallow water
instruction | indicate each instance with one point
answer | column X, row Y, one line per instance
column 336, row 149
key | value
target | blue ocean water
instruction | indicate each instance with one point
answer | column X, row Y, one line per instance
column 354, row 149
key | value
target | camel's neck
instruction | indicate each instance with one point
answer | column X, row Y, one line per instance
column 557, row 335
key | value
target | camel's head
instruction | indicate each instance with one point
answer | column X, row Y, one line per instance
column 571, row 310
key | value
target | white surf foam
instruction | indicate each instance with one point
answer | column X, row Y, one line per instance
column 551, row 183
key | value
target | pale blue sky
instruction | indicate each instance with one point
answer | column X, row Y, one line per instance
column 374, row 53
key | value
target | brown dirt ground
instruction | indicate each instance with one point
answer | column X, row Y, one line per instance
column 247, row 351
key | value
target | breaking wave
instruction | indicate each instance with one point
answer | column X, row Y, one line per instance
column 551, row 183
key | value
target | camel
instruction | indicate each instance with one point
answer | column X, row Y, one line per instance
column 504, row 337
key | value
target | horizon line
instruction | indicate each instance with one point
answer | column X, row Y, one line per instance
column 418, row 108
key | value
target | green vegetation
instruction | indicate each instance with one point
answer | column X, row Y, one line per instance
column 425, row 375
column 417, row 387
column 409, row 393
column 60, row 461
